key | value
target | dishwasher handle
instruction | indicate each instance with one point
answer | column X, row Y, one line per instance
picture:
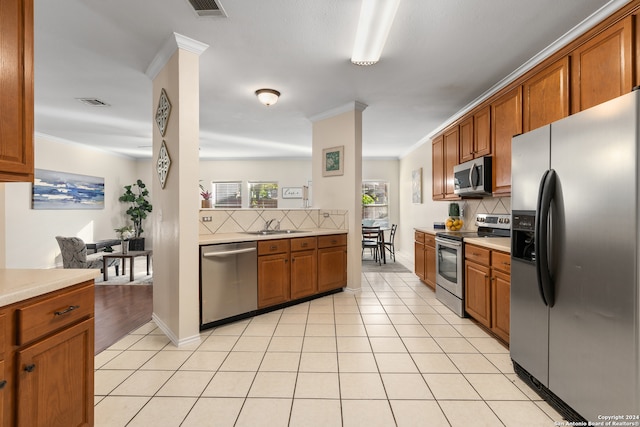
column 227, row 253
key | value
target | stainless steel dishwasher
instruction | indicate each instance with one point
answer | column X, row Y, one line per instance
column 228, row 281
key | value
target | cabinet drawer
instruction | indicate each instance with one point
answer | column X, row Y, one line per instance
column 501, row 261
column 419, row 236
column 40, row 318
column 430, row 240
column 477, row 254
column 303, row 243
column 332, row 240
column 268, row 247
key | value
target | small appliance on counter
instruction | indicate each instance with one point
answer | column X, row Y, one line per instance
column 450, row 257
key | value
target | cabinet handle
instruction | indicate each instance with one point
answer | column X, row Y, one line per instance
column 304, row 245
column 68, row 310
column 333, row 242
column 506, row 263
column 3, row 383
column 273, row 248
column 30, row 368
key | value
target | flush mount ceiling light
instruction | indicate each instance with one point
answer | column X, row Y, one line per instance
column 376, row 17
column 267, row 96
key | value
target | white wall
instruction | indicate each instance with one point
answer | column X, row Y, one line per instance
column 286, row 172
column 29, row 235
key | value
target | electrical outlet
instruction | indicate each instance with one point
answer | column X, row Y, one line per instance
column 206, row 219
column 325, row 214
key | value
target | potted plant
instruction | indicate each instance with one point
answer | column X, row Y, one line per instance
column 206, row 197
column 125, row 234
column 139, row 206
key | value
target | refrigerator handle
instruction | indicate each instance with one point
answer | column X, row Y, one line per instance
column 545, row 197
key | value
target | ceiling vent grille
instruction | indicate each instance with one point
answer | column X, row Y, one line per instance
column 93, row 102
column 207, row 7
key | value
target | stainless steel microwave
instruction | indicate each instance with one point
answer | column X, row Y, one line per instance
column 473, row 178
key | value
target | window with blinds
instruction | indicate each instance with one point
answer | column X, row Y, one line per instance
column 227, row 194
column 263, row 194
column 375, row 203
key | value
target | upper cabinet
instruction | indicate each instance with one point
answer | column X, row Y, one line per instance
column 437, row 167
column 506, row 121
column 546, row 96
column 602, row 68
column 475, row 135
column 451, row 158
column 16, row 94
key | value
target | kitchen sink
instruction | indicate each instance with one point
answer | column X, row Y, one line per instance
column 270, row 232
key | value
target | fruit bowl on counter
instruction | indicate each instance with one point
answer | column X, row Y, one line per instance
column 454, row 223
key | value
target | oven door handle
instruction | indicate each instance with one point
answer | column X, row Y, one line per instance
column 449, row 243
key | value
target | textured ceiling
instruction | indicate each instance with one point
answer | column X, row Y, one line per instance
column 439, row 57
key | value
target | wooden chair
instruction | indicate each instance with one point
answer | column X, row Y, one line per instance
column 372, row 239
column 390, row 245
column 74, row 255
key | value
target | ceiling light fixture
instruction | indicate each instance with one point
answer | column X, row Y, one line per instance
column 267, row 96
column 376, row 17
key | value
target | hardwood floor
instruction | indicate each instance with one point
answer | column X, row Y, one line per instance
column 120, row 309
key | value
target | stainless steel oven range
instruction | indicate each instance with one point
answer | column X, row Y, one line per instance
column 450, row 257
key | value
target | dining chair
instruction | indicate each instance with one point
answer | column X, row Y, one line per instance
column 390, row 244
column 372, row 239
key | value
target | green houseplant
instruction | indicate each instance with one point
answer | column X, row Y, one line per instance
column 136, row 195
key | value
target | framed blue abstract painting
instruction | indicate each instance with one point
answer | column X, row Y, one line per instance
column 62, row 190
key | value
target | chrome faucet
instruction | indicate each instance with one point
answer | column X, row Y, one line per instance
column 269, row 222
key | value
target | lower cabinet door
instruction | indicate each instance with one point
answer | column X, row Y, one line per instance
column 477, row 298
column 273, row 279
column 332, row 268
column 501, row 304
column 55, row 379
column 304, row 274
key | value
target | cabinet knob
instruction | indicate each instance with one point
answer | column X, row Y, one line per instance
column 3, row 384
column 30, row 368
column 273, row 248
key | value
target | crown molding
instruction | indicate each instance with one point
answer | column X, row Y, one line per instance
column 174, row 42
column 349, row 106
column 588, row 23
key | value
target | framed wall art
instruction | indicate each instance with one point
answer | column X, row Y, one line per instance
column 62, row 190
column 292, row 192
column 333, row 161
column 416, row 185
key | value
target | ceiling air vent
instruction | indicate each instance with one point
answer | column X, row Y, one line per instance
column 207, row 7
column 93, row 102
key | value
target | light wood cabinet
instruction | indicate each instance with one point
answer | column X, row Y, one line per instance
column 48, row 359
column 602, row 68
column 425, row 258
column 274, row 273
column 477, row 275
column 437, row 168
column 475, row 135
column 296, row 268
column 332, row 262
column 16, row 96
column 546, row 96
column 488, row 288
column 445, row 154
column 451, row 158
column 506, row 122
column 304, row 267
column 500, row 294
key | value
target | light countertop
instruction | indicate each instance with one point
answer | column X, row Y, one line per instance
column 211, row 239
column 497, row 243
column 429, row 230
column 21, row 284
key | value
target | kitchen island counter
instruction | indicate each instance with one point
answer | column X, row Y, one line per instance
column 20, row 284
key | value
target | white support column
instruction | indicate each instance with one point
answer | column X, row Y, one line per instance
column 342, row 127
column 175, row 207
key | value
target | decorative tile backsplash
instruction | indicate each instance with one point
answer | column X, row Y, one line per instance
column 240, row 220
column 495, row 205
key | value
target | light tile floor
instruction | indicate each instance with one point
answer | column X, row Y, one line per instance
column 388, row 355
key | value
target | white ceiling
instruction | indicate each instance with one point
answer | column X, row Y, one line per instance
column 440, row 56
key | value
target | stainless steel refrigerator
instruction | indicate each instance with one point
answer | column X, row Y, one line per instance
column 575, row 298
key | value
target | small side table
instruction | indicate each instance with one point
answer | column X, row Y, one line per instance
column 131, row 255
